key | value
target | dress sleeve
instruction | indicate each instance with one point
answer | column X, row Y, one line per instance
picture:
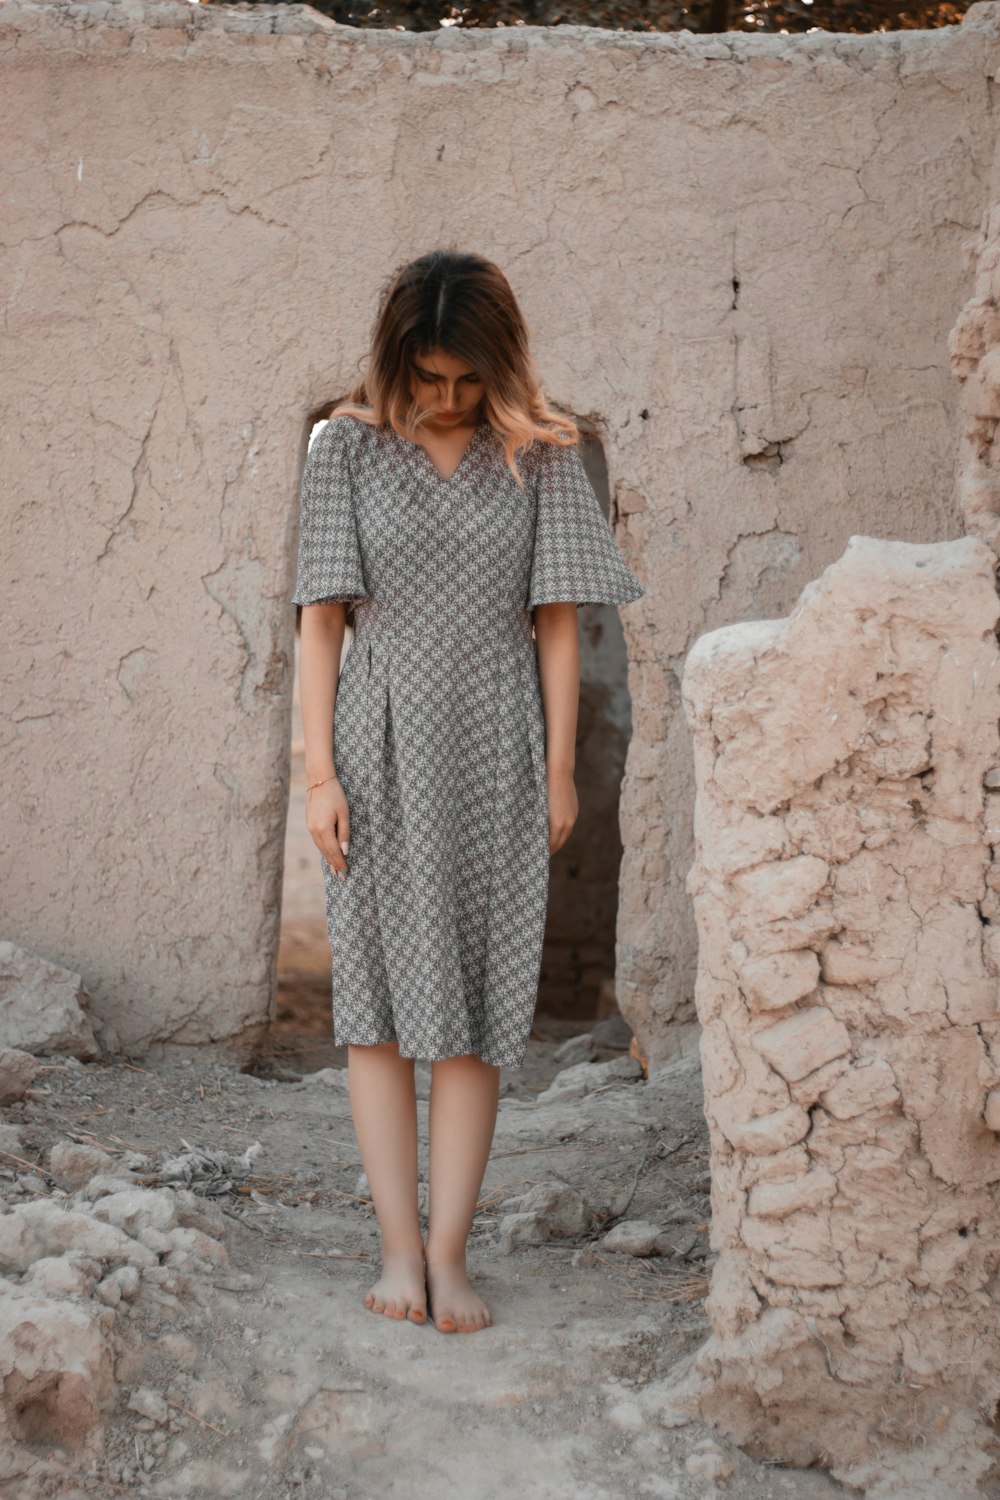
column 329, row 567
column 576, row 558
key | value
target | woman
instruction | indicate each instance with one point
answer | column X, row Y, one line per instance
column 447, row 506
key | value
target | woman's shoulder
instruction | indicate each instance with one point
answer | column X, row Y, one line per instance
column 346, row 427
column 542, row 456
column 346, row 434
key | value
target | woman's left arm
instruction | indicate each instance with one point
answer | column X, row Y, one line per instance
column 558, row 639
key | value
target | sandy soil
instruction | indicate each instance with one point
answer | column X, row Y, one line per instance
column 281, row 1384
column 278, row 1383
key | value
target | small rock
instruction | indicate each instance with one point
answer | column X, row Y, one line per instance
column 331, row 1078
column 30, row 1182
column 584, row 1078
column 613, row 1032
column 576, row 1048
column 138, row 1209
column 708, row 1461
column 43, row 1007
column 633, row 1237
column 71, row 1275
column 17, row 1069
column 677, row 1242
column 516, row 1231
column 551, row 1210
column 195, row 1212
column 72, row 1164
column 127, row 1278
column 195, row 1252
column 42, row 1228
column 149, row 1403
column 62, row 1349
column 564, row 1209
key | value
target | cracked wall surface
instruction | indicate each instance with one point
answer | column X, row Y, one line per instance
column 846, row 899
column 739, row 256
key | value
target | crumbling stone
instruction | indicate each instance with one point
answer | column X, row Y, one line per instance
column 40, row 1228
column 44, row 1008
column 856, row 1198
column 709, row 1462
column 771, row 1132
column 633, row 1237
column 56, row 1369
column 550, row 1210
column 72, row 1164
column 71, row 1268
column 779, row 980
column 17, row 1069
column 149, row 1404
column 583, row 1078
column 803, row 1042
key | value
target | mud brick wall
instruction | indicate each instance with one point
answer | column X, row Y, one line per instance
column 845, row 892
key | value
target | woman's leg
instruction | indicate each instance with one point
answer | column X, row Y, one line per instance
column 384, row 1107
column 465, row 1092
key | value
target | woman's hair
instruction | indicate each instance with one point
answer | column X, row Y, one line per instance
column 463, row 304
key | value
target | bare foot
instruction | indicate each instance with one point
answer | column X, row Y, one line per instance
column 401, row 1290
column 455, row 1307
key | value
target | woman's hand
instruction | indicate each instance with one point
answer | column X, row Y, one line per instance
column 328, row 819
column 563, row 806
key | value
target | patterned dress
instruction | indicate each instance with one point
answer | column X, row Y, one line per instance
column 438, row 729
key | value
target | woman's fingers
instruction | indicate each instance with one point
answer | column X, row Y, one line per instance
column 328, row 821
column 559, row 832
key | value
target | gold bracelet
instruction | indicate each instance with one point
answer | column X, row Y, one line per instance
column 320, row 783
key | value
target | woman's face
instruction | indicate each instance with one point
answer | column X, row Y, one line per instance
column 446, row 387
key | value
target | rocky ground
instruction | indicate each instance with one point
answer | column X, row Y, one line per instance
column 197, row 1321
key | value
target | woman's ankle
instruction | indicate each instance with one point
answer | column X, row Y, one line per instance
column 446, row 1252
column 401, row 1247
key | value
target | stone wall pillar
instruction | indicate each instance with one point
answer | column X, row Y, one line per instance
column 845, row 895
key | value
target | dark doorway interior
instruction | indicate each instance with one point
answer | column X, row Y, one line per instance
column 578, row 960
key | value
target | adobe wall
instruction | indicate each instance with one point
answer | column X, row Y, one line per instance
column 740, row 257
column 845, row 888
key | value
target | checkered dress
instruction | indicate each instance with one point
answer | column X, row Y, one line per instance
column 438, row 731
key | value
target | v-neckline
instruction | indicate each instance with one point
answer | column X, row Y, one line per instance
column 431, row 466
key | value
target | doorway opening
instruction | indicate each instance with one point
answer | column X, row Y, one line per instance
column 578, row 959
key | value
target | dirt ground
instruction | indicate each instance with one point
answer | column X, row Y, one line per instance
column 267, row 1378
column 280, row 1383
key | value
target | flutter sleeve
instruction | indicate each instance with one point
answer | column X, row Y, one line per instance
column 576, row 558
column 330, row 566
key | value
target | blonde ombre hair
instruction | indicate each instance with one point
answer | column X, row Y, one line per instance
column 463, row 304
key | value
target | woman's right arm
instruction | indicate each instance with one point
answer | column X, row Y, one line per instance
column 320, row 646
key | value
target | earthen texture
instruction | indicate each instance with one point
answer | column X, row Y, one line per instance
column 847, row 907
column 740, row 257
